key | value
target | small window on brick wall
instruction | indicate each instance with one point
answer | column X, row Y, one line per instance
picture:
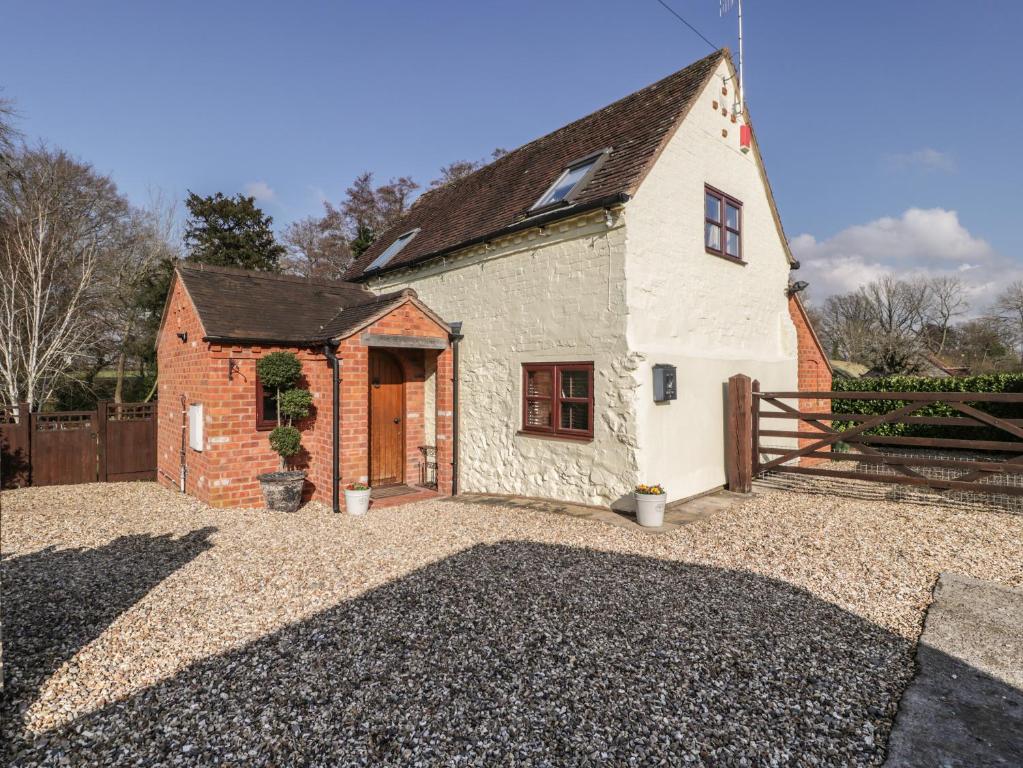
column 266, row 407
column 557, row 399
column 722, row 225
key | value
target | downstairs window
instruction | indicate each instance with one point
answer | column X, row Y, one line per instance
column 557, row 399
column 266, row 407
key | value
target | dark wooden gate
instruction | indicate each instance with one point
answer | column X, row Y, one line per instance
column 114, row 442
column 801, row 432
column 63, row 447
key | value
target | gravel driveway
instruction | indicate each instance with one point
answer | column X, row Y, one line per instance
column 142, row 628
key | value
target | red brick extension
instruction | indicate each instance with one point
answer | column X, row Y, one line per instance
column 814, row 369
column 235, row 451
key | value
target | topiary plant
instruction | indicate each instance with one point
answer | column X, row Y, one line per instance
column 280, row 372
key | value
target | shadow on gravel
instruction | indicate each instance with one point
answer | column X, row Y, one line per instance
column 529, row 654
column 55, row 601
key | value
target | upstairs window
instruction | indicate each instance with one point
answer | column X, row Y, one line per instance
column 557, row 399
column 722, row 226
column 572, row 180
column 391, row 251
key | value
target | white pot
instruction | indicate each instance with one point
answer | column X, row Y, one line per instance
column 650, row 509
column 356, row 502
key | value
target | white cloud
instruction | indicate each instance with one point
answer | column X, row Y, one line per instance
column 260, row 190
column 919, row 242
column 926, row 159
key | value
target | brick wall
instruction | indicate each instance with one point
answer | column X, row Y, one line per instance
column 814, row 371
column 236, row 451
column 406, row 320
column 182, row 369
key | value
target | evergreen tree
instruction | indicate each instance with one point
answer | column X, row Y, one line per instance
column 231, row 232
column 364, row 238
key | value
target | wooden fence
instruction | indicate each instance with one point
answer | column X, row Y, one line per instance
column 807, row 446
column 114, row 442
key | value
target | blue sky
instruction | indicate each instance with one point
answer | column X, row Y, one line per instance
column 889, row 129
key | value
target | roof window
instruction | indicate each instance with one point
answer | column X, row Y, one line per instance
column 392, row 250
column 572, row 180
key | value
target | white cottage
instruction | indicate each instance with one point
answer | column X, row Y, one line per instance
column 638, row 241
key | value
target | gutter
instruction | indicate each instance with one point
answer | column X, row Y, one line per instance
column 240, row 340
column 618, row 198
column 455, row 336
column 330, row 350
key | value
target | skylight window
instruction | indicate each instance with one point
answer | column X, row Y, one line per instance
column 572, row 180
column 392, row 250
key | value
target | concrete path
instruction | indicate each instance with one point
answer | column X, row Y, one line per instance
column 965, row 705
column 676, row 514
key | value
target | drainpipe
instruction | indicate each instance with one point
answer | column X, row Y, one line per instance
column 182, row 469
column 329, row 349
column 455, row 336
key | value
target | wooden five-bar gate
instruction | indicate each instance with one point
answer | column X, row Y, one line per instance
column 115, row 442
column 806, row 433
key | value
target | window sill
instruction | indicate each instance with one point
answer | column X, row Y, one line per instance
column 726, row 257
column 555, row 436
column 268, row 426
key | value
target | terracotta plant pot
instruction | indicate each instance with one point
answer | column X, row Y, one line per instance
column 357, row 502
column 650, row 509
column 282, row 491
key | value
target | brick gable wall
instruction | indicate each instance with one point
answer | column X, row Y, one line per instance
column 814, row 371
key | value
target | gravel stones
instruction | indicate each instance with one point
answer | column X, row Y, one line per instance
column 142, row 628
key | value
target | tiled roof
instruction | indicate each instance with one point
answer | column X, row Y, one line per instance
column 497, row 197
column 238, row 304
column 351, row 318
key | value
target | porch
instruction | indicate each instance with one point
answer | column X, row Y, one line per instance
column 395, row 419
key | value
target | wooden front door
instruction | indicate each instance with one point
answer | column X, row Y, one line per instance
column 386, row 420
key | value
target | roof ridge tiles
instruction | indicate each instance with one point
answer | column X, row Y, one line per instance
column 262, row 275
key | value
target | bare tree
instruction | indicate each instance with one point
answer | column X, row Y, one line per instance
column 880, row 325
column 318, row 247
column 983, row 345
column 846, row 327
column 898, row 311
column 1009, row 307
column 945, row 301
column 55, row 225
column 462, row 168
column 8, row 134
column 140, row 240
column 375, row 208
column 327, row 246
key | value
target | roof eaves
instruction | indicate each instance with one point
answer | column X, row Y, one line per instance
column 252, row 274
column 617, row 198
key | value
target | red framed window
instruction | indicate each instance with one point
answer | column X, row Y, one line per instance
column 266, row 407
column 722, row 224
column 557, row 399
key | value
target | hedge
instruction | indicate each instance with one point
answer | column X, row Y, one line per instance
column 999, row 382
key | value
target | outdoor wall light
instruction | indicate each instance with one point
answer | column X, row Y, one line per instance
column 183, row 336
column 796, row 287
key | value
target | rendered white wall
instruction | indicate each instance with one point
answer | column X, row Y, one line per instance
column 709, row 317
column 553, row 297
